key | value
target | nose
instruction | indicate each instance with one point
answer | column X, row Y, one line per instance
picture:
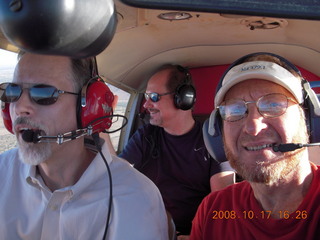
column 254, row 122
column 148, row 103
column 24, row 106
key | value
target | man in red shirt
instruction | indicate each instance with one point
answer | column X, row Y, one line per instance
column 261, row 103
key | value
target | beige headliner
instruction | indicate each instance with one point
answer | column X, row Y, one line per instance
column 143, row 41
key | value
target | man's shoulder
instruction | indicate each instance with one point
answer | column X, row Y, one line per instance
column 148, row 132
column 124, row 172
column 130, row 183
column 9, row 156
column 10, row 163
column 148, row 129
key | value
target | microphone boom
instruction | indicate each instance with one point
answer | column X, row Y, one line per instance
column 34, row 136
column 287, row 147
column 292, row 146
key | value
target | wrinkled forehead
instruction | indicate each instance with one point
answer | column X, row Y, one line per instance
column 254, row 89
column 44, row 69
column 260, row 70
column 158, row 82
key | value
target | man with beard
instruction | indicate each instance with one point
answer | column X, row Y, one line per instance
column 260, row 102
column 171, row 151
column 62, row 191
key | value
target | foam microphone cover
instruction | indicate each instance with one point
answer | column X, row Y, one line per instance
column 287, row 147
column 31, row 136
column 78, row 28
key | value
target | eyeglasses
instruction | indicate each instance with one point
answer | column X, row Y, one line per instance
column 269, row 106
column 40, row 93
column 155, row 97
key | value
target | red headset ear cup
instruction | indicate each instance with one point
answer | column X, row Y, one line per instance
column 6, row 116
column 99, row 100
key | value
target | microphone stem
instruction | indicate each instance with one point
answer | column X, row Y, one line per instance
column 61, row 138
column 311, row 144
column 292, row 146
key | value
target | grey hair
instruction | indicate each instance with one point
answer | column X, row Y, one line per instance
column 81, row 70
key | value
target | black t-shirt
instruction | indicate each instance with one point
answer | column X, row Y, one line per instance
column 180, row 166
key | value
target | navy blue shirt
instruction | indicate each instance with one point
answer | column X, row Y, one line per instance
column 180, row 166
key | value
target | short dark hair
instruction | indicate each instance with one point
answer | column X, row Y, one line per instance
column 177, row 76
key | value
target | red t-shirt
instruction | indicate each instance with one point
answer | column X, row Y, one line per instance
column 234, row 213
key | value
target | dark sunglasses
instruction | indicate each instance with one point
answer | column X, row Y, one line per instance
column 155, row 97
column 269, row 106
column 40, row 93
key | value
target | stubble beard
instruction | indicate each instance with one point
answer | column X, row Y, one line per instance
column 155, row 121
column 267, row 173
column 33, row 153
column 270, row 173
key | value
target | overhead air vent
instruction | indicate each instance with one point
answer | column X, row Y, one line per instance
column 173, row 16
column 264, row 23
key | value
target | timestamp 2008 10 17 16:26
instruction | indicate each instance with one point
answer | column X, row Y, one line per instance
column 226, row 214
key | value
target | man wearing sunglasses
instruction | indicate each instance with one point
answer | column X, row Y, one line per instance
column 171, row 152
column 261, row 103
column 63, row 191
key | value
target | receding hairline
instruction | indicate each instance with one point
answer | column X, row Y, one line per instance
column 80, row 69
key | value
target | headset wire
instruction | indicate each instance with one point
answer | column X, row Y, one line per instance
column 98, row 145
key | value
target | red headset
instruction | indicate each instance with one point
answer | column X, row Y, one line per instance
column 94, row 107
column 6, row 116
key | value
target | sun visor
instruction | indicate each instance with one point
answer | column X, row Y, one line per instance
column 77, row 29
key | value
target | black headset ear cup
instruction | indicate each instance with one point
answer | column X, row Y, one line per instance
column 185, row 93
column 184, row 97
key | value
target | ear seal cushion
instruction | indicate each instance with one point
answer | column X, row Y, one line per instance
column 185, row 97
column 214, row 144
column 6, row 116
column 185, row 93
column 97, row 110
column 313, row 121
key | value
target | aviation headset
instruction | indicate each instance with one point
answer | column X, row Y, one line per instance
column 94, row 104
column 212, row 129
column 185, row 93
